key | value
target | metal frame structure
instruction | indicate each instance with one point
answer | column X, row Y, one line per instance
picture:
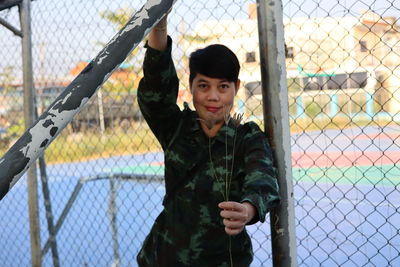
column 21, row 157
column 29, row 118
column 112, row 210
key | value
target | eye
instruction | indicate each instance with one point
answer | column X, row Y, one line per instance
column 224, row 86
column 202, row 85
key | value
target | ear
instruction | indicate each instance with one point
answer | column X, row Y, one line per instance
column 237, row 86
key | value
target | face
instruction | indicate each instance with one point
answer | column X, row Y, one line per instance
column 213, row 97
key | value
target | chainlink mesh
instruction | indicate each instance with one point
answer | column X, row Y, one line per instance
column 343, row 81
column 105, row 169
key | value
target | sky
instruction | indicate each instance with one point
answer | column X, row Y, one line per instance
column 339, row 8
column 65, row 32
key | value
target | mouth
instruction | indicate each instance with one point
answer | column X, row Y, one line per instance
column 212, row 109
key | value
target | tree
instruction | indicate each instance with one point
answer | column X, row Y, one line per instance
column 119, row 18
column 133, row 66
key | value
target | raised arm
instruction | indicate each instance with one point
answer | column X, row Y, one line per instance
column 158, row 89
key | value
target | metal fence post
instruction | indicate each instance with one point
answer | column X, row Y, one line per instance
column 29, row 116
column 112, row 212
column 49, row 212
column 276, row 117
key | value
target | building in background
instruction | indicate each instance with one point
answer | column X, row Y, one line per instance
column 326, row 53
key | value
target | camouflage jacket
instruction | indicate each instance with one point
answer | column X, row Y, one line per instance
column 189, row 230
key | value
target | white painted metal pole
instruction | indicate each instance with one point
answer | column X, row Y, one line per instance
column 46, row 128
column 276, row 117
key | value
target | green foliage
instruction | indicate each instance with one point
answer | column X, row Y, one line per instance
column 312, row 109
column 11, row 133
column 308, row 124
column 90, row 145
column 7, row 79
column 197, row 38
column 17, row 129
column 118, row 90
column 119, row 18
column 293, row 85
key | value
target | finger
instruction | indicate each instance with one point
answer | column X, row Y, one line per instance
column 231, row 205
column 233, row 224
column 230, row 231
column 233, row 215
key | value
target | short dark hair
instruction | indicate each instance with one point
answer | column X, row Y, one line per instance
column 214, row 61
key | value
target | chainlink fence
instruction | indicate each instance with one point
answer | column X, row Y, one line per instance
column 105, row 169
column 344, row 96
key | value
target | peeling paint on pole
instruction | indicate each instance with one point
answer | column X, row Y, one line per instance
column 276, row 116
column 37, row 138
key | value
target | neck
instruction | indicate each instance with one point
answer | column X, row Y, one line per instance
column 213, row 131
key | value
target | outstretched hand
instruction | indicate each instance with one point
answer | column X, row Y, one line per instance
column 236, row 215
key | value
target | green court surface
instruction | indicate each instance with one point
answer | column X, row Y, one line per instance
column 141, row 169
column 382, row 175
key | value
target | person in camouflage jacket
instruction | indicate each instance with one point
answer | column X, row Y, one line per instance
column 219, row 174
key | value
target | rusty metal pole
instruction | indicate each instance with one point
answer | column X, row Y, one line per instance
column 276, row 118
column 30, row 117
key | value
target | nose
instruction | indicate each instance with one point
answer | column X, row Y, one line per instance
column 213, row 95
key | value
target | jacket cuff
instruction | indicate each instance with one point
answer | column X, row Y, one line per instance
column 262, row 204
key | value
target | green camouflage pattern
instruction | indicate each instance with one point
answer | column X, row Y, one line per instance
column 189, row 230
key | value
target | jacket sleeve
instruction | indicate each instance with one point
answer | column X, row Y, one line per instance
column 260, row 186
column 157, row 94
